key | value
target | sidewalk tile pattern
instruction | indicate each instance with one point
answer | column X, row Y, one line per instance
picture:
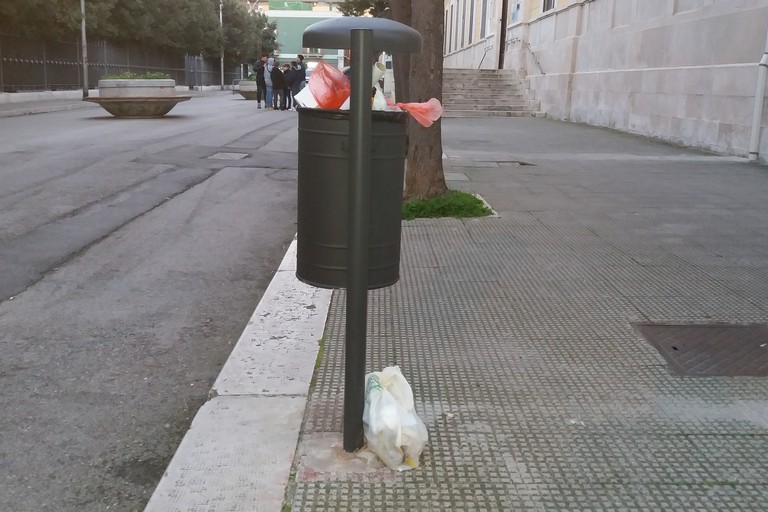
column 516, row 336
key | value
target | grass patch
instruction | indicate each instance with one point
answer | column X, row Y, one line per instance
column 137, row 76
column 455, row 204
column 717, row 483
column 320, row 352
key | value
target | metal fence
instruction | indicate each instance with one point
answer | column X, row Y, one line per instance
column 202, row 71
column 33, row 65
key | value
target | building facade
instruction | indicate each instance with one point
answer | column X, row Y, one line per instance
column 291, row 18
column 683, row 71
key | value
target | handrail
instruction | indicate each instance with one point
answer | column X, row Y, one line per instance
column 528, row 46
column 485, row 52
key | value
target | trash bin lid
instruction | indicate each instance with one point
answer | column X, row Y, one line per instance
column 388, row 35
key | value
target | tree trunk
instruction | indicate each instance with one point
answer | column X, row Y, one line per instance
column 424, row 177
column 401, row 62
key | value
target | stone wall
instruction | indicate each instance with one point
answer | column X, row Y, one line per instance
column 679, row 70
column 479, row 55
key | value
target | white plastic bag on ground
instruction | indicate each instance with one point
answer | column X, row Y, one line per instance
column 393, row 430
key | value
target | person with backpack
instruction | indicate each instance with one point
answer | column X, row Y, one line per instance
column 268, row 79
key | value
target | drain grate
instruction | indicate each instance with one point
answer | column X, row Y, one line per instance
column 228, row 156
column 455, row 176
column 711, row 350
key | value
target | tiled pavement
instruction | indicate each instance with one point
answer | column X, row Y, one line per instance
column 516, row 333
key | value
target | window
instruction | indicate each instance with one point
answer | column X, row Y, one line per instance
column 484, row 19
column 471, row 20
column 548, row 5
column 289, row 6
column 463, row 22
column 446, row 35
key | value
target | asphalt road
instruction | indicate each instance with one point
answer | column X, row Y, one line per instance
column 130, row 261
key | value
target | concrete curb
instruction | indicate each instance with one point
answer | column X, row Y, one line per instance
column 238, row 452
column 19, row 104
column 26, row 97
column 20, row 109
column 42, row 102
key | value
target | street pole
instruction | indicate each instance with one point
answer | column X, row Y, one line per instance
column 221, row 23
column 357, row 236
column 85, row 49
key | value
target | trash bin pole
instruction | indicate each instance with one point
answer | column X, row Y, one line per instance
column 358, row 224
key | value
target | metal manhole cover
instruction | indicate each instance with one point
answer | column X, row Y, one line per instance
column 711, row 350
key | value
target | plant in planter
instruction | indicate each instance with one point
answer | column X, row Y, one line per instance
column 248, row 88
column 133, row 95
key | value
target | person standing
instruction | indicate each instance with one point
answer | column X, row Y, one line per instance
column 268, row 79
column 296, row 83
column 278, row 87
column 290, row 76
column 261, row 84
column 303, row 72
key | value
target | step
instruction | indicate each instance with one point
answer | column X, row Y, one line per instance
column 500, row 99
column 484, row 91
column 484, row 72
column 501, row 105
column 514, row 81
column 465, row 108
column 487, row 93
column 470, row 78
column 470, row 106
column 494, row 87
column 505, row 108
column 462, row 79
column 491, row 113
column 522, row 102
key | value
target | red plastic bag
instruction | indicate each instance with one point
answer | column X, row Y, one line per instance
column 329, row 86
column 424, row 113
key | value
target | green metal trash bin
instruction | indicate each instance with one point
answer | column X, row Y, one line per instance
column 323, row 197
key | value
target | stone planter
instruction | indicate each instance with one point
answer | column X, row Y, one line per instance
column 137, row 98
column 248, row 89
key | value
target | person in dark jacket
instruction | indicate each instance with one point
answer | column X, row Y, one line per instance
column 303, row 71
column 261, row 84
column 278, row 87
column 290, row 81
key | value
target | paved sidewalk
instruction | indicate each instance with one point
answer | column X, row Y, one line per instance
column 517, row 335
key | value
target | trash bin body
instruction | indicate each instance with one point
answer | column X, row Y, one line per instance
column 323, row 197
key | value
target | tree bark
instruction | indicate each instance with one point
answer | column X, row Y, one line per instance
column 424, row 178
column 401, row 62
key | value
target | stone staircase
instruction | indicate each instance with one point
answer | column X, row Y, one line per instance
column 487, row 92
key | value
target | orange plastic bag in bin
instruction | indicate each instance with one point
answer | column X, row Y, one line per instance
column 329, row 86
column 424, row 113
